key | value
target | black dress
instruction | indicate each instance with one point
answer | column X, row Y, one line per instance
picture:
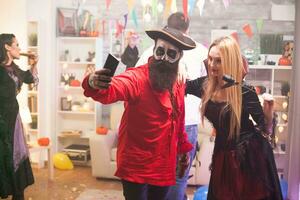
column 243, row 168
column 14, row 176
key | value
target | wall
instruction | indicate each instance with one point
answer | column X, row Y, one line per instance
column 13, row 20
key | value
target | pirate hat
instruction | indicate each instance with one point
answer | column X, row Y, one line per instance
column 173, row 36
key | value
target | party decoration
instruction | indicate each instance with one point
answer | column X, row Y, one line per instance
column 125, row 20
column 119, row 28
column 130, row 5
column 62, row 161
column 191, row 6
column 185, row 7
column 235, row 36
column 248, row 30
column 201, row 193
column 44, row 141
column 259, row 24
column 107, row 4
column 174, row 6
column 134, row 17
column 226, row 3
column 154, row 8
column 167, row 8
column 200, row 5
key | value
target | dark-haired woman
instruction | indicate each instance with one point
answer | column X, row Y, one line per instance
column 15, row 170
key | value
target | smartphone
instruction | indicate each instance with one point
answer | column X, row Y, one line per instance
column 111, row 63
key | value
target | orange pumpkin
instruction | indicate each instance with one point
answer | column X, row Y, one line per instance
column 284, row 61
column 75, row 83
column 101, row 130
column 44, row 141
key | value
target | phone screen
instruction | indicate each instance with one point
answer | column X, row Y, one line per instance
column 111, row 63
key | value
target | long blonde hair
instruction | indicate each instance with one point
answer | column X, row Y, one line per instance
column 231, row 64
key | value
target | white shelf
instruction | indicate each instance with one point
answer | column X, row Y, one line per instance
column 33, row 130
column 70, row 88
column 78, row 38
column 270, row 67
column 75, row 112
column 32, row 47
column 76, row 63
column 277, row 152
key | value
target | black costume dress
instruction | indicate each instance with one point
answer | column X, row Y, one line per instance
column 243, row 168
column 15, row 170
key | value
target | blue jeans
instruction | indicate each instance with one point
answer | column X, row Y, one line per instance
column 177, row 192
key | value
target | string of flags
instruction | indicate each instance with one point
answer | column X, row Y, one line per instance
column 188, row 6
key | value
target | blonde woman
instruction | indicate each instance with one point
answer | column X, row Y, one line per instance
column 243, row 165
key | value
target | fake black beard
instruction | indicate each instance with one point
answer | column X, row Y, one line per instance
column 163, row 74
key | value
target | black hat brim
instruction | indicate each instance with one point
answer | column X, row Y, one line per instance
column 183, row 42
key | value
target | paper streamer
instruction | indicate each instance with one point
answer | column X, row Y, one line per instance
column 174, row 6
column 154, row 8
column 200, row 5
column 185, row 7
column 226, row 3
column 107, row 4
column 130, row 5
column 125, row 20
column 191, row 6
column 103, row 26
column 167, row 8
column 235, row 36
column 119, row 28
column 259, row 24
column 134, row 17
column 247, row 29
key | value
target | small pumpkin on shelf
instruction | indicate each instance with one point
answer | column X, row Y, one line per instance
column 44, row 141
column 75, row 83
column 101, row 130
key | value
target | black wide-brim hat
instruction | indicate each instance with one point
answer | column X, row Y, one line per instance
column 173, row 36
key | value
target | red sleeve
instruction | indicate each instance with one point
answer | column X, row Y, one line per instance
column 124, row 87
column 184, row 145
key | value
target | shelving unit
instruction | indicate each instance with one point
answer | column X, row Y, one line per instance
column 75, row 113
column 276, row 80
column 33, row 93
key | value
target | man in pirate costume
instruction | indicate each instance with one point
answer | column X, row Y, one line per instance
column 151, row 132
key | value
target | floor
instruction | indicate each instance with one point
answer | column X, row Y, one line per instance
column 68, row 184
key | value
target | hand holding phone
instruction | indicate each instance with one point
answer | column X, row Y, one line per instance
column 101, row 79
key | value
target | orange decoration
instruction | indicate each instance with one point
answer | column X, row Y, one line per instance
column 101, row 130
column 75, row 83
column 247, row 29
column 43, row 141
column 284, row 61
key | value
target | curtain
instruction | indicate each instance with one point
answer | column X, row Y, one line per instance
column 293, row 163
